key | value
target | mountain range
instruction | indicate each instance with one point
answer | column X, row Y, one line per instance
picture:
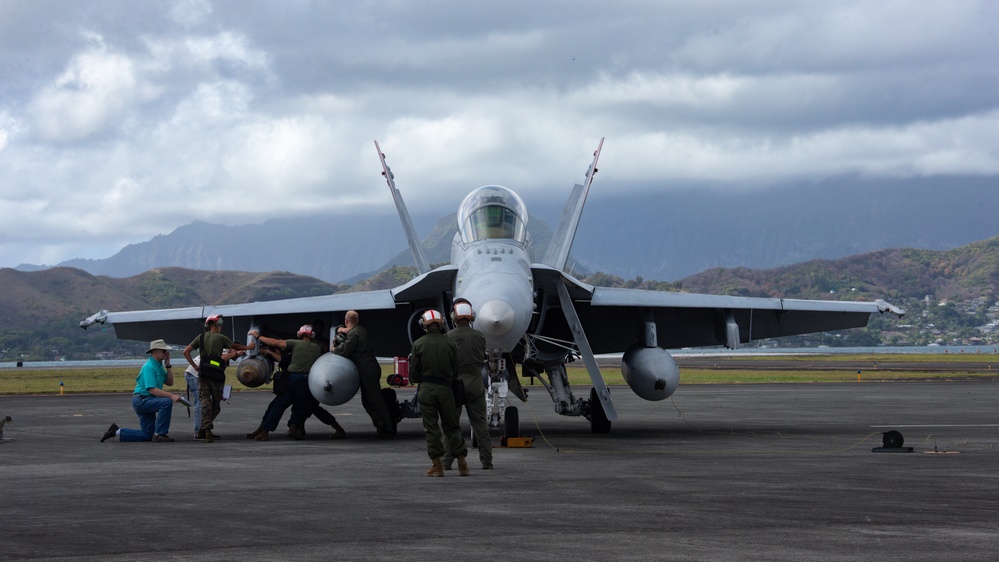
column 665, row 234
column 945, row 292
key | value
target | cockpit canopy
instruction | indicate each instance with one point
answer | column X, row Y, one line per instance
column 492, row 211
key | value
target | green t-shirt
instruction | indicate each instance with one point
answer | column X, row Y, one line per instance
column 214, row 344
column 303, row 355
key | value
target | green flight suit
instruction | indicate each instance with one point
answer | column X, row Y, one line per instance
column 471, row 354
column 357, row 349
column 434, row 365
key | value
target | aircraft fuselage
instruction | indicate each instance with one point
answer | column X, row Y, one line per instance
column 495, row 276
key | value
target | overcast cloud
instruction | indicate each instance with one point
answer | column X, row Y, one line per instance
column 120, row 120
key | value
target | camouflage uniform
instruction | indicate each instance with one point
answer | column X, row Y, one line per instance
column 471, row 354
column 434, row 366
column 210, row 392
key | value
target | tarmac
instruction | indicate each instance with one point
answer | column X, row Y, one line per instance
column 718, row 472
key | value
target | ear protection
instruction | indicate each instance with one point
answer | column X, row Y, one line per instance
column 462, row 309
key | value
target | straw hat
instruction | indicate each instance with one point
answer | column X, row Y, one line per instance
column 158, row 344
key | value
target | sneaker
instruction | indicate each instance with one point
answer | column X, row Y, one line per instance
column 110, row 432
column 162, row 438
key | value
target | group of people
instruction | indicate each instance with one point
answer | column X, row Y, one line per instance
column 154, row 406
column 438, row 360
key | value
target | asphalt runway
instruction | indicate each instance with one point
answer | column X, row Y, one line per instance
column 720, row 472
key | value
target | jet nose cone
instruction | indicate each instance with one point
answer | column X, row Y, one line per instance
column 495, row 318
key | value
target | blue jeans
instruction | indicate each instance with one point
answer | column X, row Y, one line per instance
column 293, row 394
column 192, row 388
column 154, row 417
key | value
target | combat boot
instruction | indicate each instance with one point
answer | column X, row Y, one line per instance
column 262, row 436
column 256, row 432
column 338, row 432
column 437, row 470
column 209, row 436
column 462, row 466
column 295, row 432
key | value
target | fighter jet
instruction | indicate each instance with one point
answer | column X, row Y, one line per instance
column 534, row 314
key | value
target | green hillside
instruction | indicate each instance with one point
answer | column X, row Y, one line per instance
column 949, row 297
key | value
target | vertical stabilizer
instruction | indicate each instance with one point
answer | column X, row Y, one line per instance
column 558, row 250
column 407, row 223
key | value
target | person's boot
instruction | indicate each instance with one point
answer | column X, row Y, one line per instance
column 437, row 470
column 262, row 436
column 295, row 432
column 338, row 432
column 200, row 435
column 256, row 432
column 462, row 466
column 209, row 436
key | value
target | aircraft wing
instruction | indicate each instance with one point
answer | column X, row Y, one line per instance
column 389, row 315
column 613, row 318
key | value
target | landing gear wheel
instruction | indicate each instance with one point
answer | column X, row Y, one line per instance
column 392, row 403
column 598, row 418
column 511, row 423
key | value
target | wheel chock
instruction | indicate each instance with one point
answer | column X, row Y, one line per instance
column 516, row 442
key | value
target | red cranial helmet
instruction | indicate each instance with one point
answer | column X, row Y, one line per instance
column 306, row 330
column 430, row 317
column 214, row 319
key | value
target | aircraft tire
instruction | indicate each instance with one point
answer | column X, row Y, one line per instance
column 392, row 403
column 598, row 418
column 511, row 422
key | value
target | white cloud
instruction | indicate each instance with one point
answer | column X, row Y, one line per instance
column 236, row 112
column 93, row 93
column 190, row 13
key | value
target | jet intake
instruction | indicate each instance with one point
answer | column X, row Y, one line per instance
column 255, row 371
column 651, row 372
column 333, row 379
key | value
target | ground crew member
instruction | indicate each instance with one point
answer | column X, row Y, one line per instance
column 434, row 367
column 471, row 354
column 304, row 353
column 353, row 344
column 211, row 371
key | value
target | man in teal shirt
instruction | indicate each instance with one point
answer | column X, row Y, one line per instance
column 151, row 403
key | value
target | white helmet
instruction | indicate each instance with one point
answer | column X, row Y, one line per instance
column 430, row 317
column 462, row 310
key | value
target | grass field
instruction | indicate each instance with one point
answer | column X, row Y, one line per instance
column 827, row 369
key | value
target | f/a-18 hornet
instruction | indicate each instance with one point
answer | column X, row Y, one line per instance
column 534, row 314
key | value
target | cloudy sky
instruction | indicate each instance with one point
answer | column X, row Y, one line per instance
column 121, row 120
